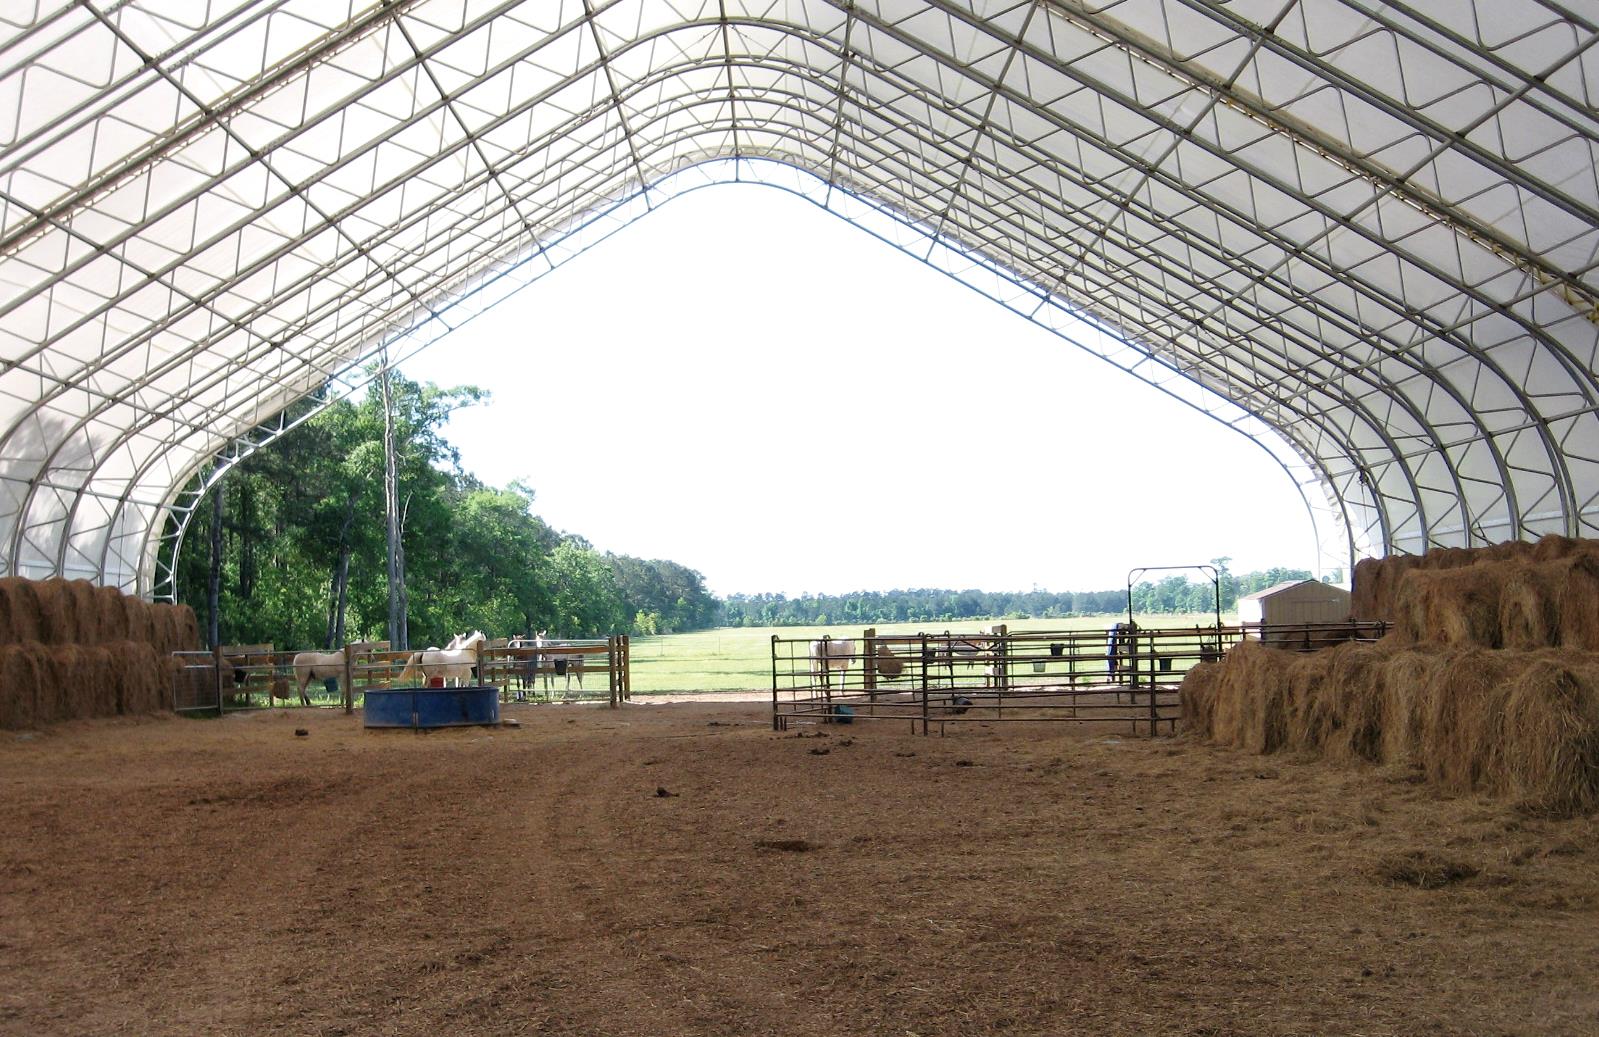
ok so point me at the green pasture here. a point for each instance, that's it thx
(740, 658)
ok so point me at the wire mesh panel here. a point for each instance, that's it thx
(195, 685)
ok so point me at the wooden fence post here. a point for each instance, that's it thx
(613, 661)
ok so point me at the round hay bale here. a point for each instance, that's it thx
(62, 663)
(188, 630)
(1463, 718)
(20, 606)
(1196, 698)
(1363, 589)
(139, 624)
(1252, 699)
(1357, 680)
(79, 597)
(1405, 676)
(1379, 586)
(79, 676)
(111, 618)
(1310, 707)
(1551, 735)
(57, 625)
(1529, 605)
(49, 698)
(141, 677)
(19, 682)
(1505, 551)
(100, 673)
(1457, 605)
(1579, 602)
(160, 628)
(1440, 558)
(177, 628)
(1227, 708)
(1553, 547)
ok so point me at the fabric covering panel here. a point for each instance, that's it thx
(1371, 228)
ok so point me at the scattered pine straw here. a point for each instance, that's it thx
(1424, 870)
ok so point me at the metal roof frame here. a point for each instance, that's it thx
(1366, 236)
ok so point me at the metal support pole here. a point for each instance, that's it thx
(774, 683)
(869, 662)
(349, 680)
(924, 685)
(216, 660)
(1153, 687)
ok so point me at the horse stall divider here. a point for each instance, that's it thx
(349, 679)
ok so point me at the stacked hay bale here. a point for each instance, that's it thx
(1488, 681)
(69, 649)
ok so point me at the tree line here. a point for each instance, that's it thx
(1171, 594)
(294, 542)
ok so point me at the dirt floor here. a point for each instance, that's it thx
(683, 869)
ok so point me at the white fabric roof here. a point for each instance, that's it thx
(1368, 229)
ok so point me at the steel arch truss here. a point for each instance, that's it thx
(1364, 234)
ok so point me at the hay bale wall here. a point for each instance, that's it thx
(1489, 679)
(1518, 724)
(1517, 595)
(70, 648)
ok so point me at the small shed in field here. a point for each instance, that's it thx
(1296, 602)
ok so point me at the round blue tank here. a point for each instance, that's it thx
(432, 707)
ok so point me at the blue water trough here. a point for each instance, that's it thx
(422, 708)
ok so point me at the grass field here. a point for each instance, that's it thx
(740, 658)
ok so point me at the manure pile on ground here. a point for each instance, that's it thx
(69, 648)
(1489, 679)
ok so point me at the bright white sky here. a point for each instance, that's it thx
(796, 407)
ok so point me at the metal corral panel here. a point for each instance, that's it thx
(432, 707)
(1302, 601)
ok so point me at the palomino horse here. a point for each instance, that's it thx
(452, 662)
(309, 666)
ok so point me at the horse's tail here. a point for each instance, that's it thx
(412, 666)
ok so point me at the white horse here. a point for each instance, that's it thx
(452, 662)
(321, 666)
(828, 655)
(309, 666)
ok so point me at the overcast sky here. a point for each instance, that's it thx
(751, 387)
